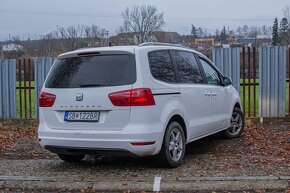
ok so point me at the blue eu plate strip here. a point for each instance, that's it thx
(66, 116)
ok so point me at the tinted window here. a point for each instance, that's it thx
(161, 66)
(104, 70)
(187, 67)
(212, 76)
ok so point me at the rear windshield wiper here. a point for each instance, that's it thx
(94, 85)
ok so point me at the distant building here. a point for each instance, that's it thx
(12, 48)
(260, 40)
(264, 37)
(203, 43)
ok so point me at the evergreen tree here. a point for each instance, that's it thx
(194, 31)
(275, 33)
(224, 35)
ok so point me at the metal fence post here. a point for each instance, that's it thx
(272, 78)
(8, 89)
(228, 61)
(41, 69)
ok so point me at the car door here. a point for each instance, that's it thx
(195, 95)
(220, 95)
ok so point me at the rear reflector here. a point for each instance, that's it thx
(143, 143)
(134, 97)
(46, 99)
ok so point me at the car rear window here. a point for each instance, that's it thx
(90, 71)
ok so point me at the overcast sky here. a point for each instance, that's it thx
(38, 17)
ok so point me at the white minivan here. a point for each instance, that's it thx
(144, 100)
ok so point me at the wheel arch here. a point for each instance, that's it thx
(179, 119)
(238, 105)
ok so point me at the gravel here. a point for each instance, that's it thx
(212, 156)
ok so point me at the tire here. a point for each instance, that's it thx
(173, 146)
(237, 125)
(71, 158)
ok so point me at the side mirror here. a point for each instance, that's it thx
(227, 81)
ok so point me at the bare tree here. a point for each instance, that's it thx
(286, 13)
(123, 37)
(286, 18)
(99, 36)
(46, 47)
(264, 30)
(200, 33)
(71, 37)
(142, 21)
(284, 32)
(254, 31)
(239, 31)
(245, 29)
(95, 36)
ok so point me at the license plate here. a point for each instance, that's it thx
(81, 116)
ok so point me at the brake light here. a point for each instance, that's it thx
(46, 99)
(134, 97)
(89, 54)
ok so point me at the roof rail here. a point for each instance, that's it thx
(161, 44)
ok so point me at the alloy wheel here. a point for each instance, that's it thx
(175, 144)
(236, 124)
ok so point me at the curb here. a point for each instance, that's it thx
(228, 183)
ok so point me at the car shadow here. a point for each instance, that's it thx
(204, 145)
(195, 149)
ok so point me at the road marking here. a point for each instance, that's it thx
(156, 185)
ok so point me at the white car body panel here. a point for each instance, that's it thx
(118, 127)
(197, 108)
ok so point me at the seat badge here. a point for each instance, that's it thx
(79, 97)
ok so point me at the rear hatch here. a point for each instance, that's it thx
(81, 85)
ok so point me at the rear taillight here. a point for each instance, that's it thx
(46, 99)
(134, 97)
(142, 97)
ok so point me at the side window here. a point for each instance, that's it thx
(187, 67)
(212, 76)
(161, 66)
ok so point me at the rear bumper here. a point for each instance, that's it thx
(90, 141)
(87, 151)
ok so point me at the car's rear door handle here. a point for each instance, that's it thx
(214, 94)
(207, 94)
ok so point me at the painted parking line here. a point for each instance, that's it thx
(156, 185)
